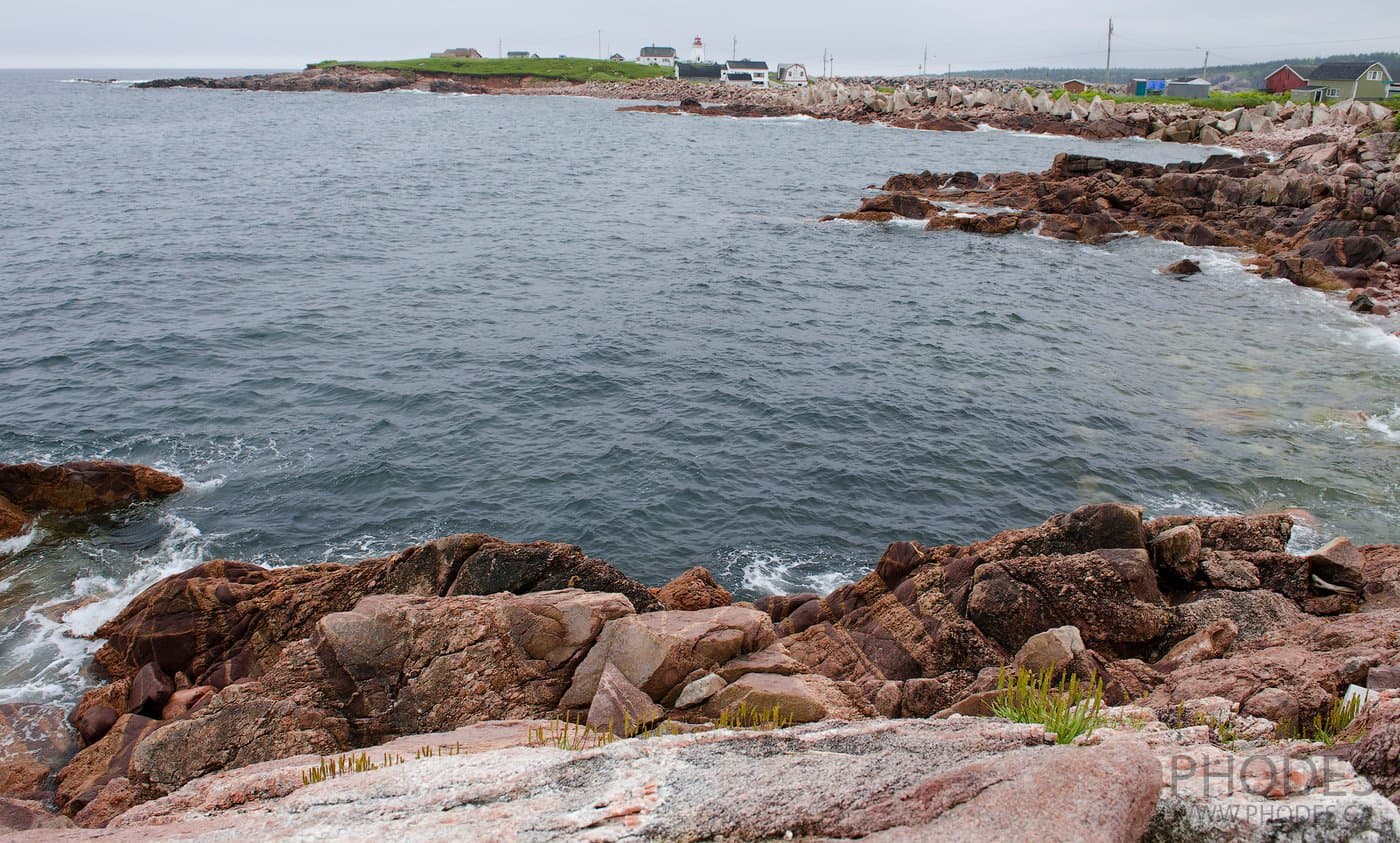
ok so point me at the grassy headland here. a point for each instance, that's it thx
(569, 70)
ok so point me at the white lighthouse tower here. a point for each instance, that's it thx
(697, 51)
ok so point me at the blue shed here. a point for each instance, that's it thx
(1149, 87)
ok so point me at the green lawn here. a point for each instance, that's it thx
(572, 70)
(1218, 101)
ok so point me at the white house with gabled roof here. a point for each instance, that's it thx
(745, 72)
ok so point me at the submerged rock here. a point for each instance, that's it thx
(1183, 268)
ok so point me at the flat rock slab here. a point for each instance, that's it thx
(913, 779)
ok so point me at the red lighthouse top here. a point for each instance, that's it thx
(698, 42)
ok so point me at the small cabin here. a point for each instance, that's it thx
(792, 74)
(617, 57)
(1283, 80)
(1076, 86)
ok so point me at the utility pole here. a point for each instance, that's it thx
(499, 53)
(1108, 61)
(923, 68)
(1205, 64)
(734, 56)
(600, 45)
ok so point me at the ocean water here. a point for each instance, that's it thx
(354, 322)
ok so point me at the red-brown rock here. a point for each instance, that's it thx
(80, 487)
(693, 590)
(222, 621)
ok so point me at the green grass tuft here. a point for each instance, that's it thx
(1067, 707)
(571, 735)
(344, 765)
(1328, 726)
(745, 717)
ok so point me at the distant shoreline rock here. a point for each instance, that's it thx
(933, 106)
(1324, 215)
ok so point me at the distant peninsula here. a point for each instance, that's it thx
(438, 75)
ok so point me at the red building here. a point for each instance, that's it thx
(1283, 80)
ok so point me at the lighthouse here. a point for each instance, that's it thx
(697, 51)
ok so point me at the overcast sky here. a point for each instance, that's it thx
(884, 37)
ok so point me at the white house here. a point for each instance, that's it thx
(663, 56)
(792, 74)
(745, 72)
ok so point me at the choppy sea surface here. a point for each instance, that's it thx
(354, 322)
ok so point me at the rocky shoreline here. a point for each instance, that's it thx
(1325, 215)
(939, 106)
(428, 681)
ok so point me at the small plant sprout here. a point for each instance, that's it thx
(570, 734)
(344, 765)
(1068, 707)
(1328, 726)
(745, 717)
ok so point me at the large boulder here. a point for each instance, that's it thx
(659, 650)
(896, 623)
(1376, 754)
(619, 707)
(222, 621)
(1051, 650)
(695, 589)
(804, 698)
(83, 778)
(1246, 534)
(1254, 613)
(1339, 565)
(1111, 596)
(1091, 527)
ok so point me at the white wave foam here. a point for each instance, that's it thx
(205, 485)
(1304, 539)
(764, 572)
(1387, 425)
(13, 546)
(55, 643)
(183, 548)
(1183, 504)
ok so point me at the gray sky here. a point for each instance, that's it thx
(886, 37)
